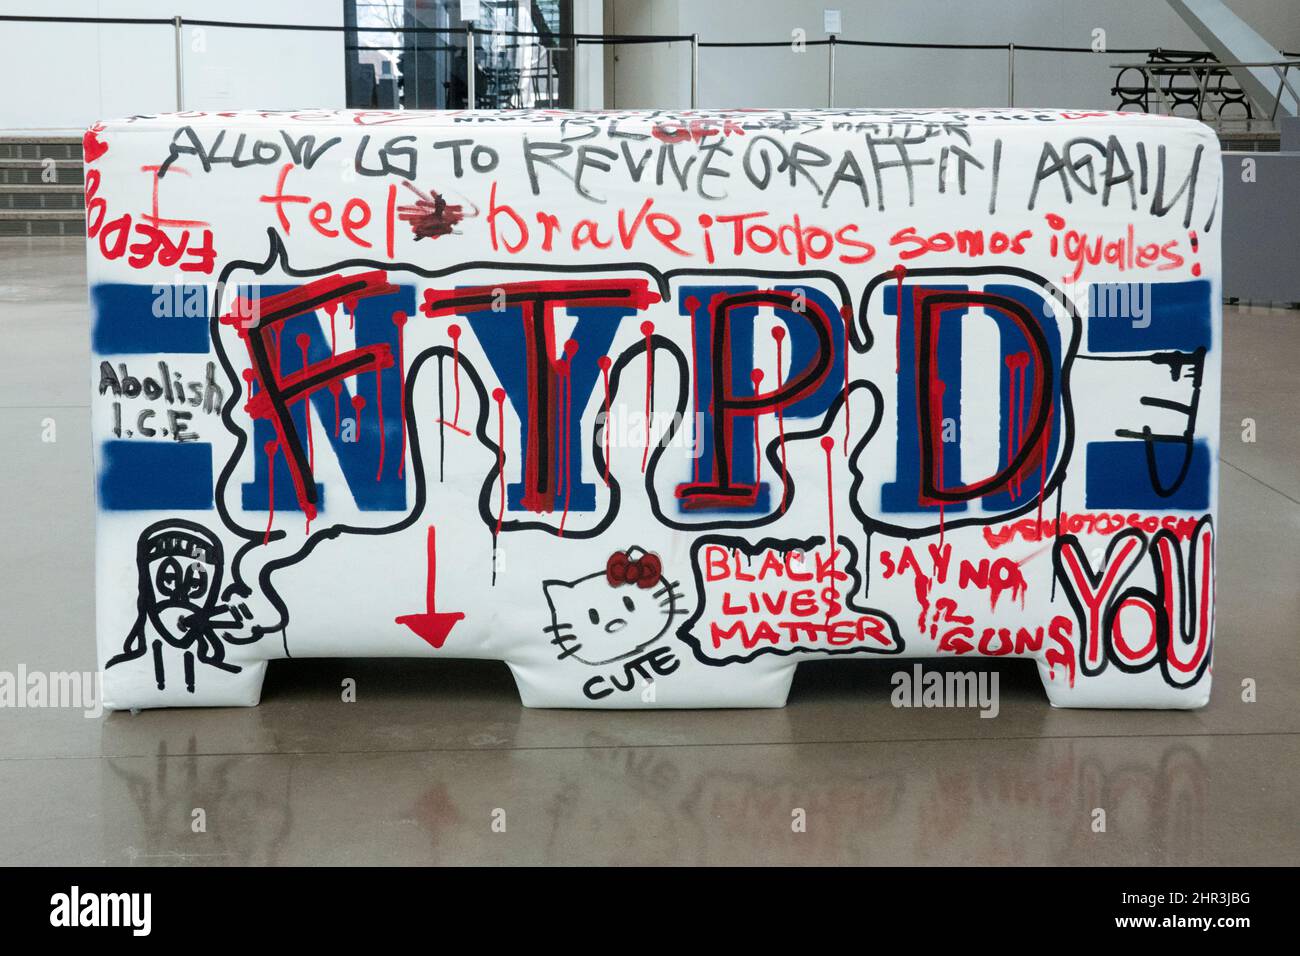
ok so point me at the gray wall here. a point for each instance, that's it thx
(1261, 218)
(659, 76)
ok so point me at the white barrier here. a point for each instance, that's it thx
(654, 406)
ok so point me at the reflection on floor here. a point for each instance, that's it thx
(437, 762)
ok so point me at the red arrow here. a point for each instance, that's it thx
(431, 625)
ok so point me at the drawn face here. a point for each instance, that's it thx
(180, 577)
(596, 622)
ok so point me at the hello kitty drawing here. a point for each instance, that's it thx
(613, 617)
(612, 614)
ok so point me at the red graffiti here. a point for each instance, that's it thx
(430, 624)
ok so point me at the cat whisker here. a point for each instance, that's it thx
(671, 597)
(557, 627)
(566, 651)
(667, 586)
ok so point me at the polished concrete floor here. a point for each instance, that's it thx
(418, 769)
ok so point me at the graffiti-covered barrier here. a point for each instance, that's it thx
(654, 406)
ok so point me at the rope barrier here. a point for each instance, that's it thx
(597, 39)
(556, 41)
(332, 28)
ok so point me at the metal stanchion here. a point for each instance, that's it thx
(830, 72)
(1282, 85)
(695, 70)
(1011, 74)
(471, 94)
(178, 27)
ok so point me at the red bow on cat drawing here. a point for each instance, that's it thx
(633, 566)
